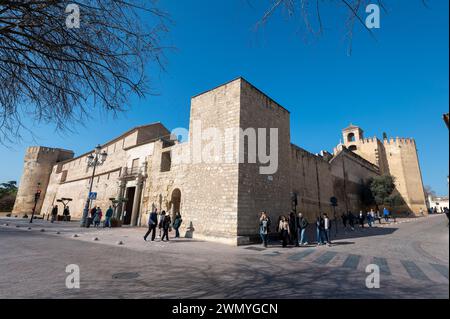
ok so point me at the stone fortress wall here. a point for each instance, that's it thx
(38, 165)
(219, 200)
(397, 157)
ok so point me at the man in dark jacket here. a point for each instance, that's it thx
(152, 221)
(292, 228)
(54, 213)
(320, 227)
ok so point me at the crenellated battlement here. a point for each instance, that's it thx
(370, 140)
(399, 141)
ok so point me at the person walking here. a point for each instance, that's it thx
(98, 217)
(162, 216)
(284, 230)
(361, 218)
(369, 217)
(66, 213)
(377, 216)
(319, 230)
(302, 225)
(344, 221)
(92, 213)
(152, 222)
(176, 224)
(351, 220)
(166, 227)
(108, 216)
(326, 229)
(386, 214)
(54, 213)
(264, 228)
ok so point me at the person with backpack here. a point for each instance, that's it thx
(302, 225)
(152, 222)
(264, 228)
(176, 224)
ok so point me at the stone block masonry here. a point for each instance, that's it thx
(220, 198)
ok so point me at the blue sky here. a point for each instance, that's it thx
(397, 83)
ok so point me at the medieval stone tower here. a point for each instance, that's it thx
(39, 162)
(397, 157)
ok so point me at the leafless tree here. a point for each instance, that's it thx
(310, 12)
(53, 72)
(429, 191)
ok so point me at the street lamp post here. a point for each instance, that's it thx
(36, 199)
(92, 161)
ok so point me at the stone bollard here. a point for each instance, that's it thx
(120, 243)
(29, 228)
(42, 230)
(75, 236)
(57, 233)
(95, 239)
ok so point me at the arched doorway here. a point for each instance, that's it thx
(175, 202)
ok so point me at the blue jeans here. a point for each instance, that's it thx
(319, 236)
(107, 222)
(177, 232)
(326, 234)
(263, 238)
(302, 239)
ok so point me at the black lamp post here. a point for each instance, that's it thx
(37, 195)
(93, 160)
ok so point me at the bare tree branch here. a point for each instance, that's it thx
(55, 74)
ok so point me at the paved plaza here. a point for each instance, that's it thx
(117, 263)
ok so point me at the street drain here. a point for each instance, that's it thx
(126, 275)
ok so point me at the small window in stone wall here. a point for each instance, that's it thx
(166, 162)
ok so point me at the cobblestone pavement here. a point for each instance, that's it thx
(412, 255)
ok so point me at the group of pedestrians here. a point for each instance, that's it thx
(292, 228)
(163, 222)
(96, 215)
(349, 219)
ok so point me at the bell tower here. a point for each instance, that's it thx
(353, 135)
